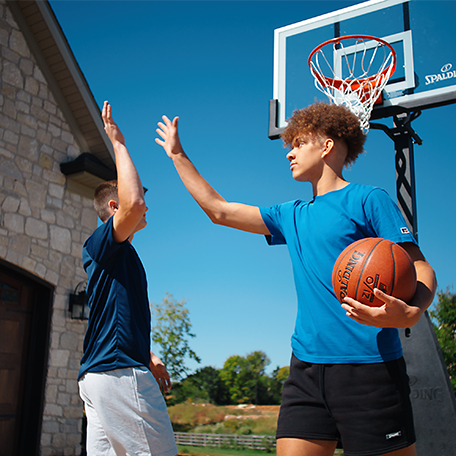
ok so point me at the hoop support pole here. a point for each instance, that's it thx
(404, 138)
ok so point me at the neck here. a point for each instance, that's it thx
(328, 184)
(330, 178)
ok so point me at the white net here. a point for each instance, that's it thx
(356, 73)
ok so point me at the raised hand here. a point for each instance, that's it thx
(170, 142)
(111, 128)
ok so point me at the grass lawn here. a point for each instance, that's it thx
(201, 418)
(208, 451)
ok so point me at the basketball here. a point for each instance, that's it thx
(374, 263)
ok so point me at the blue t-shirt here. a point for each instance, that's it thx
(316, 232)
(118, 331)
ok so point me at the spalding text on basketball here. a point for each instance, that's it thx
(344, 276)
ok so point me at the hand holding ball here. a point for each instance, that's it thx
(374, 263)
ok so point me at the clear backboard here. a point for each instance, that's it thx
(419, 31)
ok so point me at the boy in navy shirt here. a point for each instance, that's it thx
(125, 409)
(348, 384)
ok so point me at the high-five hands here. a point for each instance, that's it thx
(170, 142)
(111, 128)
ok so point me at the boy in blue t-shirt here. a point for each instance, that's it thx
(119, 376)
(348, 382)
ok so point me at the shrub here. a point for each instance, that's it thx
(191, 415)
(268, 445)
(210, 419)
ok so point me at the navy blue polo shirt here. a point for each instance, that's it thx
(118, 332)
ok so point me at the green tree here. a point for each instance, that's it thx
(281, 374)
(205, 385)
(241, 380)
(186, 390)
(208, 380)
(444, 318)
(257, 362)
(244, 377)
(171, 331)
(278, 377)
(233, 376)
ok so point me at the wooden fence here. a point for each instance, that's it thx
(257, 442)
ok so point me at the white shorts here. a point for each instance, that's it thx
(126, 414)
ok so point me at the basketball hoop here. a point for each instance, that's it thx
(361, 68)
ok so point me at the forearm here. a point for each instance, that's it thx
(212, 203)
(426, 286)
(130, 189)
(235, 215)
(425, 276)
(425, 290)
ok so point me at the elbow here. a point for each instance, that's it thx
(139, 203)
(426, 284)
(427, 274)
(219, 214)
(138, 206)
(216, 219)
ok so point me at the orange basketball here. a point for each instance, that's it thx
(374, 263)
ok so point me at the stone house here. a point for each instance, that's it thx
(53, 153)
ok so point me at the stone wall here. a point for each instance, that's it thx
(42, 224)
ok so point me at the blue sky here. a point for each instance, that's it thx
(211, 63)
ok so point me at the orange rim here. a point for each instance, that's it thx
(336, 83)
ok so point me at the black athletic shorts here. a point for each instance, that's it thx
(364, 407)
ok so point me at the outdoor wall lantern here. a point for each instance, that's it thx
(79, 303)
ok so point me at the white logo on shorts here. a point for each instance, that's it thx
(392, 435)
(405, 230)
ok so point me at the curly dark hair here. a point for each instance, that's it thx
(104, 193)
(323, 119)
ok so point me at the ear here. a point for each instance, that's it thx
(327, 147)
(113, 206)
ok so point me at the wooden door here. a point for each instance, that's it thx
(16, 307)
